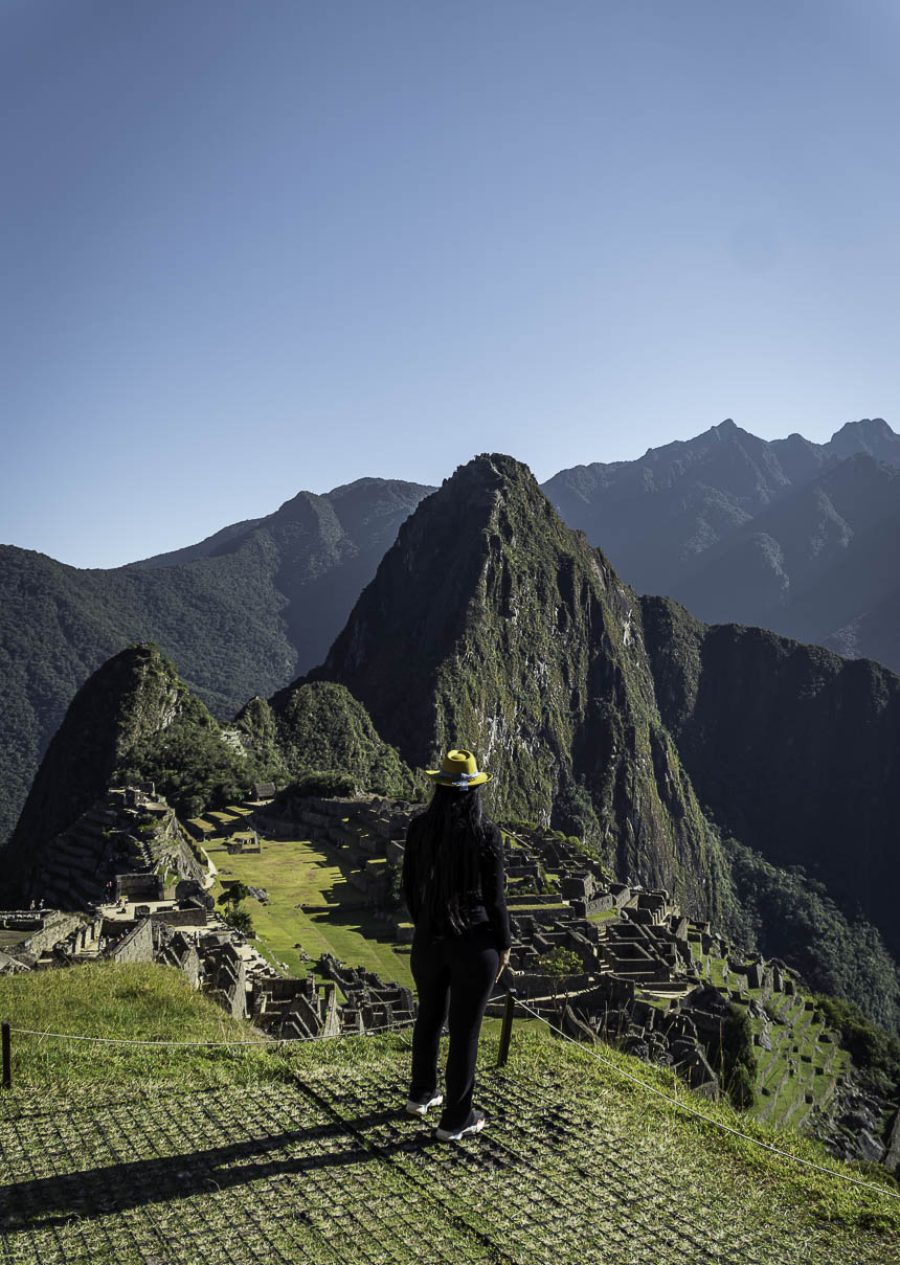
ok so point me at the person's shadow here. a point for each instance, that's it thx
(47, 1202)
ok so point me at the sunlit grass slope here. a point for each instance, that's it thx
(302, 1154)
(297, 874)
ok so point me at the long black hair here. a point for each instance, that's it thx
(447, 867)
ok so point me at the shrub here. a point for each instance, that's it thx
(561, 961)
(330, 782)
(240, 920)
(234, 894)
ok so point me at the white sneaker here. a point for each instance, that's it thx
(455, 1135)
(414, 1108)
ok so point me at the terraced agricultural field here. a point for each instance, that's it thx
(312, 904)
(800, 1070)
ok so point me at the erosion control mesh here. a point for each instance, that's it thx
(325, 1169)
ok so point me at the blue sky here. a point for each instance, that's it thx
(251, 247)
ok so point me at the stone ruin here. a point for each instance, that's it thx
(129, 831)
(637, 985)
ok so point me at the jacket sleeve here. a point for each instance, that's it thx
(493, 886)
(407, 881)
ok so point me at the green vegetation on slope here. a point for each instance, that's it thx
(794, 752)
(795, 919)
(305, 1155)
(137, 1001)
(240, 614)
(191, 762)
(875, 1053)
(320, 726)
(491, 625)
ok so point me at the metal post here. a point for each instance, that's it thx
(7, 1061)
(506, 1029)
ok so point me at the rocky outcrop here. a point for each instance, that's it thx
(134, 695)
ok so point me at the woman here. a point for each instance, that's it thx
(453, 884)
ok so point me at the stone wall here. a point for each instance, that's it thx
(137, 945)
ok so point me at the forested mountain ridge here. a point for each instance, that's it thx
(135, 721)
(245, 610)
(784, 534)
(669, 746)
(240, 613)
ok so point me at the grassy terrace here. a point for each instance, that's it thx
(202, 1157)
(785, 1097)
(311, 904)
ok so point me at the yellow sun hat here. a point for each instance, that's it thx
(459, 769)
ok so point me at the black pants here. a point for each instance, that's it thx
(454, 976)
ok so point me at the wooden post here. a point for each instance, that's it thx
(7, 1061)
(506, 1029)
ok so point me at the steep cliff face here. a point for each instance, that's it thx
(491, 625)
(795, 751)
(132, 697)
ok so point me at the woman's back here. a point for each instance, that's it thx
(453, 875)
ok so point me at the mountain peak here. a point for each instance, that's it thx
(135, 694)
(492, 625)
(869, 434)
(869, 427)
(491, 468)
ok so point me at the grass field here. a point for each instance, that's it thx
(114, 1156)
(297, 875)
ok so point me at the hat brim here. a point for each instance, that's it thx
(445, 779)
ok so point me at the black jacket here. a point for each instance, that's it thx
(487, 906)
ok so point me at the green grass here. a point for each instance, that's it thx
(203, 825)
(785, 1104)
(301, 874)
(135, 1000)
(116, 1158)
(604, 915)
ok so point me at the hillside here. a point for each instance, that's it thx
(490, 619)
(240, 613)
(783, 534)
(135, 722)
(133, 712)
(209, 1155)
(792, 749)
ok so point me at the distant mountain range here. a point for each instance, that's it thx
(786, 534)
(754, 777)
(241, 613)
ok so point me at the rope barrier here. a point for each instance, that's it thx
(158, 1044)
(718, 1124)
(591, 1053)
